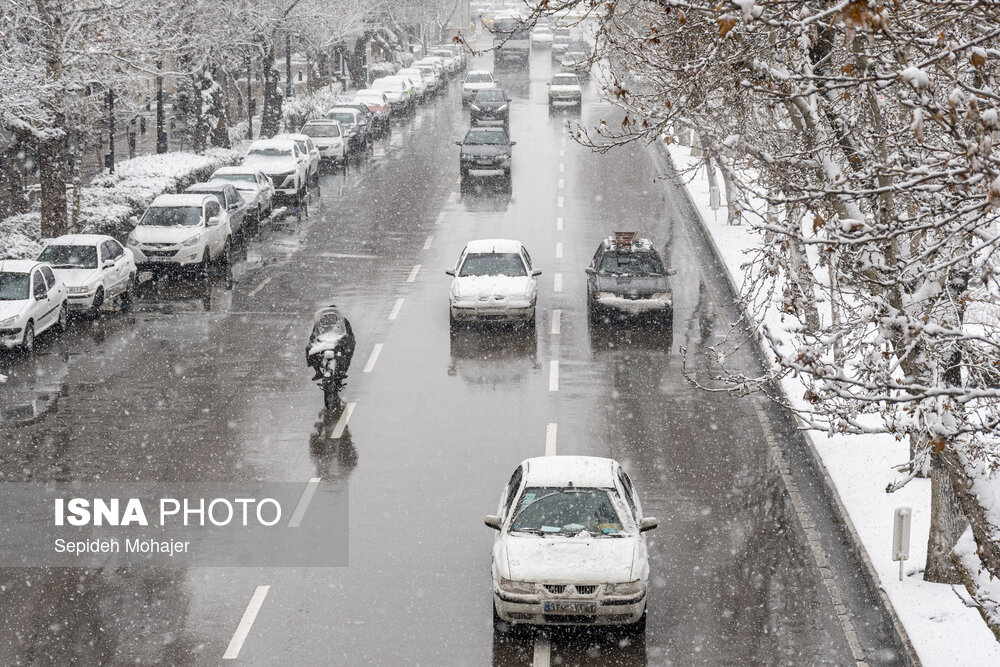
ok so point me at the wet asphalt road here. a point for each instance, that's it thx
(208, 383)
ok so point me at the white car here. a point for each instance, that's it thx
(309, 150)
(32, 300)
(493, 282)
(284, 164)
(452, 62)
(396, 90)
(541, 36)
(431, 76)
(421, 85)
(182, 232)
(253, 185)
(329, 137)
(565, 91)
(377, 103)
(475, 81)
(569, 547)
(93, 268)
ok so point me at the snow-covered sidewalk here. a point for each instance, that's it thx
(941, 627)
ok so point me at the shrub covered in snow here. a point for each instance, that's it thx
(297, 110)
(111, 200)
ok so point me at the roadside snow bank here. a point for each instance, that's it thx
(943, 628)
(110, 201)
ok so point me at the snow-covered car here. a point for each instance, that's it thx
(309, 150)
(355, 132)
(255, 188)
(485, 151)
(561, 38)
(493, 281)
(435, 80)
(329, 136)
(541, 36)
(439, 65)
(397, 90)
(627, 277)
(576, 61)
(181, 232)
(232, 203)
(421, 88)
(475, 81)
(565, 91)
(569, 547)
(458, 52)
(378, 104)
(32, 301)
(93, 269)
(452, 62)
(284, 164)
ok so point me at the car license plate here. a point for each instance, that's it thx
(160, 259)
(571, 607)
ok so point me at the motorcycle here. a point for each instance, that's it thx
(330, 383)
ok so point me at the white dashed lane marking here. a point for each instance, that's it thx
(559, 224)
(243, 629)
(556, 321)
(377, 350)
(559, 250)
(554, 375)
(557, 283)
(413, 273)
(440, 218)
(345, 417)
(427, 243)
(559, 202)
(551, 432)
(561, 184)
(260, 286)
(395, 308)
(304, 500)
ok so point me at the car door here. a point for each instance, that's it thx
(41, 309)
(595, 264)
(122, 269)
(235, 207)
(216, 236)
(109, 274)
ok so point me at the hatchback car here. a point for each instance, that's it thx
(378, 104)
(486, 151)
(328, 135)
(355, 131)
(93, 268)
(627, 277)
(32, 300)
(569, 548)
(493, 281)
(490, 107)
(565, 91)
(254, 186)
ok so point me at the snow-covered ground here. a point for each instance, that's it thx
(941, 627)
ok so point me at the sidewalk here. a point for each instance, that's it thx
(943, 629)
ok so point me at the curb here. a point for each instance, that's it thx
(903, 643)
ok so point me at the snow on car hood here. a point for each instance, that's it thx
(570, 560)
(270, 165)
(11, 308)
(570, 88)
(151, 234)
(487, 286)
(77, 276)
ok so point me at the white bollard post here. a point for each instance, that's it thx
(901, 537)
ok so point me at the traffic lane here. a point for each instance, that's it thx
(135, 356)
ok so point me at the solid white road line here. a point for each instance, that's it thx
(550, 439)
(554, 375)
(559, 202)
(259, 287)
(413, 273)
(243, 629)
(377, 350)
(559, 224)
(440, 218)
(557, 283)
(542, 656)
(427, 243)
(345, 416)
(395, 308)
(304, 500)
(556, 321)
(559, 250)
(562, 184)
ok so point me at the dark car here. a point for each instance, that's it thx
(577, 61)
(230, 199)
(490, 107)
(366, 114)
(486, 151)
(627, 278)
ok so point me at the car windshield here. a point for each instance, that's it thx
(567, 511)
(479, 78)
(270, 152)
(631, 264)
(13, 286)
(490, 96)
(235, 178)
(320, 130)
(568, 80)
(343, 116)
(493, 264)
(172, 216)
(490, 137)
(70, 256)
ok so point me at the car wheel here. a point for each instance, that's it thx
(225, 257)
(95, 308)
(125, 300)
(63, 322)
(639, 627)
(530, 323)
(667, 319)
(28, 342)
(204, 269)
(451, 320)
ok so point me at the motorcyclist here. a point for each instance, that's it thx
(331, 331)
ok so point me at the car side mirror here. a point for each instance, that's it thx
(214, 221)
(450, 272)
(492, 521)
(590, 271)
(108, 263)
(648, 523)
(458, 143)
(536, 272)
(671, 272)
(513, 143)
(41, 297)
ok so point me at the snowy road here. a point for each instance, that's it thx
(209, 384)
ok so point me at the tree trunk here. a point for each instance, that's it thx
(270, 117)
(947, 525)
(52, 179)
(15, 200)
(982, 529)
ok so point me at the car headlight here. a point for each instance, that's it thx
(505, 156)
(474, 107)
(503, 108)
(630, 588)
(603, 295)
(466, 157)
(192, 241)
(131, 240)
(9, 321)
(661, 296)
(522, 587)
(77, 289)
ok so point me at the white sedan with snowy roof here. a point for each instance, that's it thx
(569, 547)
(493, 281)
(93, 268)
(31, 301)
